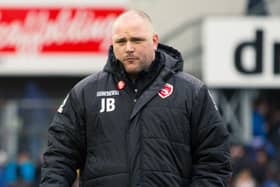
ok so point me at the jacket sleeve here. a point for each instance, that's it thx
(65, 150)
(210, 143)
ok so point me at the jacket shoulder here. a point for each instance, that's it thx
(90, 81)
(190, 81)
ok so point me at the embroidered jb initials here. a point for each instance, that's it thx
(107, 105)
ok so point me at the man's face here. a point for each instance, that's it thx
(134, 43)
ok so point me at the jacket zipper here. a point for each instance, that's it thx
(128, 146)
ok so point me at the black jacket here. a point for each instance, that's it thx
(163, 131)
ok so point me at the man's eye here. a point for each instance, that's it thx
(120, 41)
(137, 40)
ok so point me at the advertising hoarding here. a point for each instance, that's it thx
(241, 52)
(55, 40)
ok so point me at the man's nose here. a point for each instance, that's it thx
(129, 47)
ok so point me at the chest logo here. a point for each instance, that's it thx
(107, 105)
(166, 91)
(121, 85)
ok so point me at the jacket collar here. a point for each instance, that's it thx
(168, 56)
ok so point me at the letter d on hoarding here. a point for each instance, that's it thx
(257, 45)
(277, 58)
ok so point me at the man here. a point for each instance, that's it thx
(139, 122)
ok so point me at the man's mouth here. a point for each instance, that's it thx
(131, 58)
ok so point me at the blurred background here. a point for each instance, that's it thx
(233, 46)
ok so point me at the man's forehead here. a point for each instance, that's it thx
(131, 29)
(130, 35)
(129, 23)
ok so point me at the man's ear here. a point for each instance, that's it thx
(155, 41)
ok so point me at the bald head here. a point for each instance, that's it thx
(138, 13)
(132, 16)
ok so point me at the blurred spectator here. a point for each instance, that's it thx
(260, 112)
(20, 173)
(260, 143)
(34, 119)
(274, 137)
(257, 7)
(20, 182)
(260, 165)
(240, 159)
(11, 172)
(274, 128)
(255, 165)
(271, 176)
(245, 179)
(27, 168)
(3, 160)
